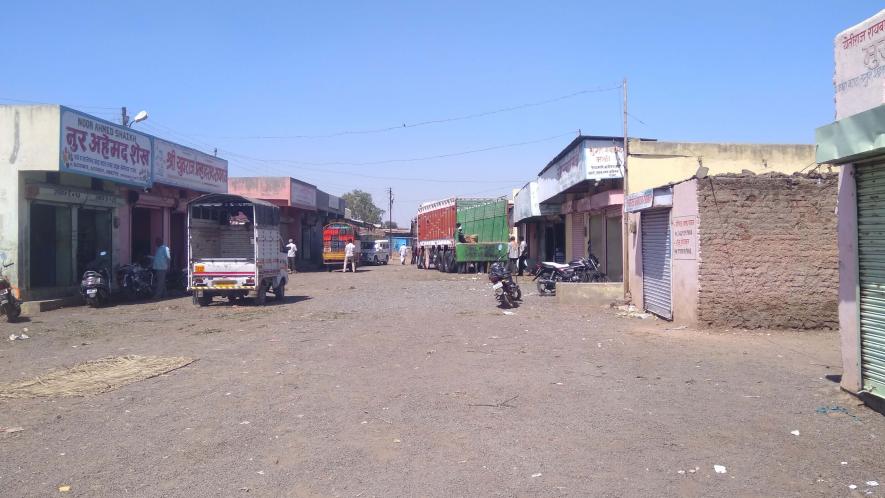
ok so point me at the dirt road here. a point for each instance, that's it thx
(400, 382)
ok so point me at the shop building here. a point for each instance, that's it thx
(72, 187)
(574, 207)
(739, 236)
(304, 210)
(180, 174)
(856, 142)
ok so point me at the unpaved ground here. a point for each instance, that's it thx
(341, 391)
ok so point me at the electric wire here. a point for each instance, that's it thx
(424, 122)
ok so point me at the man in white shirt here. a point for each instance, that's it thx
(293, 252)
(402, 254)
(523, 255)
(513, 253)
(349, 257)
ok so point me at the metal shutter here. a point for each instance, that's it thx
(578, 245)
(656, 262)
(871, 260)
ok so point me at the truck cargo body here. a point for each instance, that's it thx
(234, 249)
(336, 236)
(486, 219)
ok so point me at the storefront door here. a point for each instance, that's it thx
(93, 235)
(50, 246)
(656, 290)
(871, 268)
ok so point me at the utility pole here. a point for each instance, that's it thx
(124, 118)
(625, 238)
(389, 217)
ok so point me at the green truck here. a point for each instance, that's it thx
(485, 225)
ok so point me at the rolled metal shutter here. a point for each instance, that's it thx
(656, 262)
(578, 245)
(871, 267)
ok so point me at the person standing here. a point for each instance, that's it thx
(402, 254)
(160, 267)
(291, 255)
(349, 256)
(513, 253)
(523, 255)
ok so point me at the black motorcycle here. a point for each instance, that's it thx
(547, 273)
(507, 291)
(9, 304)
(95, 286)
(136, 281)
(592, 271)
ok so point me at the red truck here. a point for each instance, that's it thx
(486, 219)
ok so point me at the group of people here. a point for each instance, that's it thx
(517, 253)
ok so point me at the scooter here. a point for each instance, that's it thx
(95, 285)
(507, 291)
(9, 304)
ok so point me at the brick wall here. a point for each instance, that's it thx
(768, 256)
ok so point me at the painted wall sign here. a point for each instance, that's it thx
(185, 167)
(684, 233)
(859, 79)
(98, 148)
(304, 195)
(603, 162)
(637, 201)
(69, 195)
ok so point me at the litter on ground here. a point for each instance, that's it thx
(720, 469)
(795, 433)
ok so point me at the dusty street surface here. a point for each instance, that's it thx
(401, 382)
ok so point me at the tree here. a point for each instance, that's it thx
(362, 207)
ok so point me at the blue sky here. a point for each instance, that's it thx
(218, 74)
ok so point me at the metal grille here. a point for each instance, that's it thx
(871, 258)
(656, 262)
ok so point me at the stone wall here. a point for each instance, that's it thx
(768, 253)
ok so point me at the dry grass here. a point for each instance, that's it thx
(92, 377)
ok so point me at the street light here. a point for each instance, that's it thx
(141, 116)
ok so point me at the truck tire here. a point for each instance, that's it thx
(279, 292)
(386, 259)
(261, 294)
(451, 263)
(202, 301)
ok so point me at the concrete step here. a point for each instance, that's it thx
(34, 307)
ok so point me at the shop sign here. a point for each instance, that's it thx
(603, 162)
(304, 195)
(181, 166)
(69, 195)
(98, 148)
(663, 197)
(637, 201)
(859, 79)
(684, 230)
(565, 173)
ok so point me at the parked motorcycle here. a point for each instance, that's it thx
(589, 270)
(592, 270)
(95, 286)
(547, 273)
(507, 291)
(9, 304)
(136, 281)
